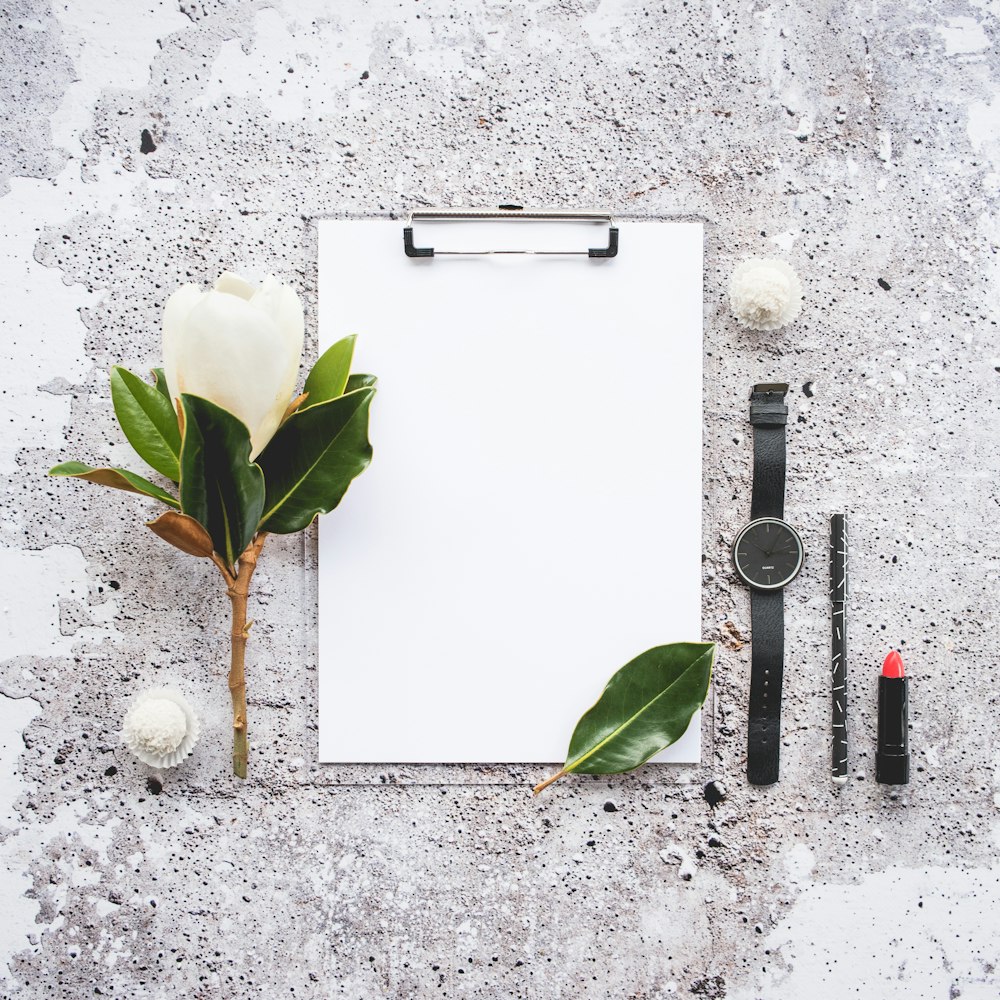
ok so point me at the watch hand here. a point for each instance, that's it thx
(770, 551)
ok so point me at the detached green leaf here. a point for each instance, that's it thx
(311, 460)
(329, 375)
(120, 479)
(220, 487)
(645, 707)
(148, 420)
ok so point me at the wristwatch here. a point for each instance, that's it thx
(768, 555)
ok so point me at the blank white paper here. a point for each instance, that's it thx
(531, 519)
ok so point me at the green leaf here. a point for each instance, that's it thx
(120, 479)
(329, 375)
(359, 382)
(645, 707)
(160, 382)
(220, 487)
(311, 460)
(148, 420)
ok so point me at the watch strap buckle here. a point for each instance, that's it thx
(767, 404)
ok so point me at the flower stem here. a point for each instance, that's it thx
(238, 588)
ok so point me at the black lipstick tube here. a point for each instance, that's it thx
(892, 758)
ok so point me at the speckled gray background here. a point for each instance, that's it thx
(147, 144)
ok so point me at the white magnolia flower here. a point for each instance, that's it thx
(765, 293)
(238, 346)
(161, 728)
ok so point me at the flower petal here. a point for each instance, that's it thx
(232, 284)
(233, 354)
(282, 305)
(175, 312)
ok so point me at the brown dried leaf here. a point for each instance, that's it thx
(294, 405)
(183, 532)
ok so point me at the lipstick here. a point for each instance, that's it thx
(892, 758)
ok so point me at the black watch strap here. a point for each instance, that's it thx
(767, 655)
(768, 416)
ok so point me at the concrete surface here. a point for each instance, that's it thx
(860, 141)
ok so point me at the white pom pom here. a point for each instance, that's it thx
(765, 293)
(161, 728)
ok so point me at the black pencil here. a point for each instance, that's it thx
(838, 601)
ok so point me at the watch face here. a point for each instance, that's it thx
(768, 553)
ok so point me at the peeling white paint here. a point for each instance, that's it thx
(309, 60)
(17, 715)
(32, 583)
(607, 24)
(785, 241)
(120, 57)
(899, 934)
(983, 126)
(963, 35)
(27, 844)
(41, 333)
(799, 863)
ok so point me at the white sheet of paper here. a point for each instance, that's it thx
(531, 519)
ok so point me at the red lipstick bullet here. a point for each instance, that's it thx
(892, 757)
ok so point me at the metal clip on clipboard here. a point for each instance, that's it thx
(507, 212)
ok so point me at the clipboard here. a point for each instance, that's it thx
(531, 519)
(509, 213)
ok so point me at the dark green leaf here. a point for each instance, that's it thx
(329, 375)
(148, 420)
(120, 479)
(312, 459)
(359, 382)
(645, 707)
(220, 487)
